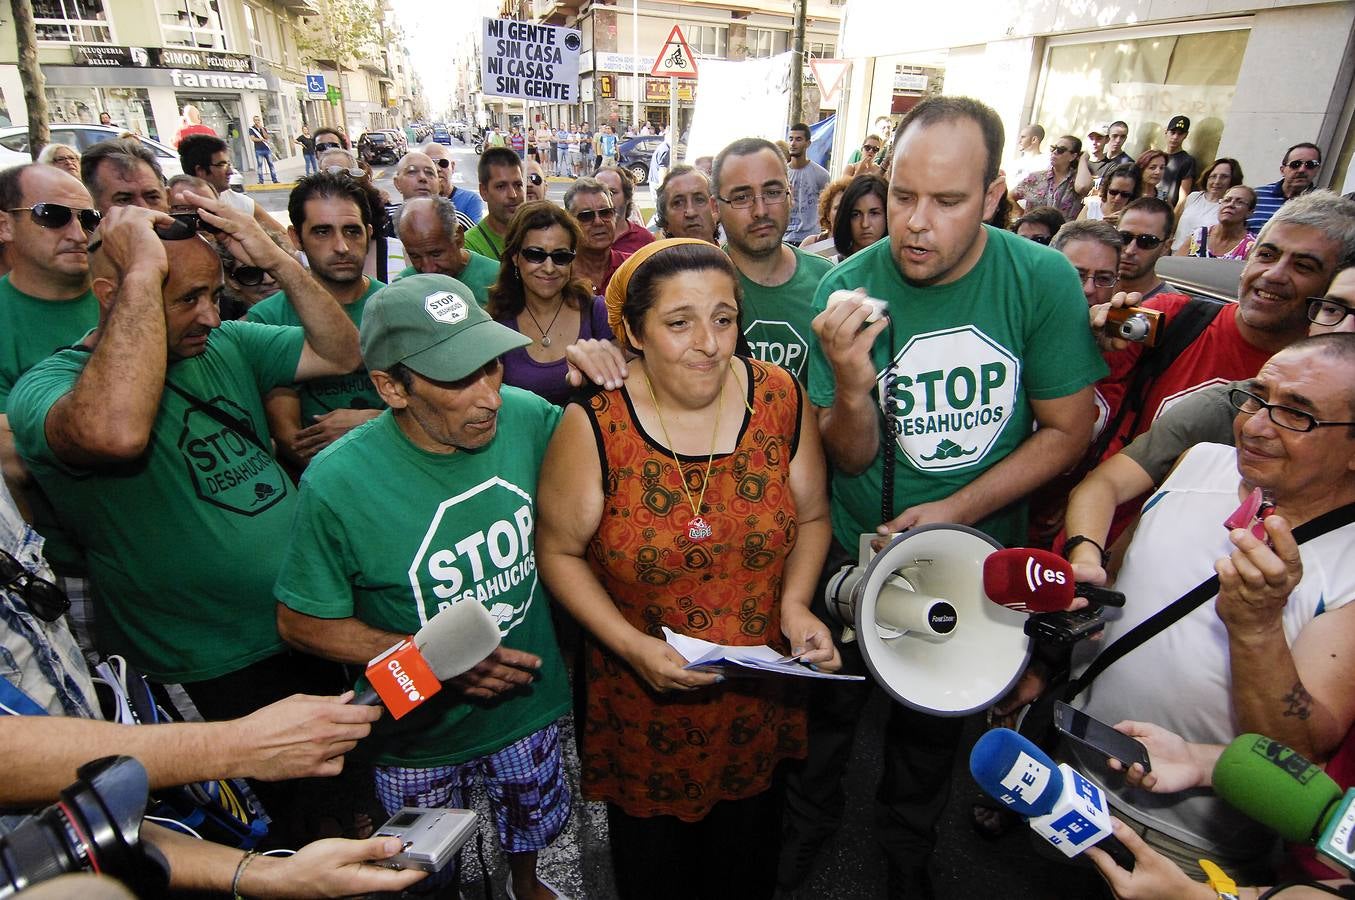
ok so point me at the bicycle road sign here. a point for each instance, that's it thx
(674, 59)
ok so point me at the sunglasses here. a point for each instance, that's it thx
(535, 179)
(1038, 238)
(321, 148)
(1144, 241)
(1059, 151)
(536, 256)
(1295, 164)
(443, 163)
(1125, 194)
(46, 601)
(870, 149)
(249, 276)
(54, 215)
(342, 170)
(587, 215)
(184, 226)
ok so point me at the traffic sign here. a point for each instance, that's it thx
(828, 75)
(315, 86)
(675, 58)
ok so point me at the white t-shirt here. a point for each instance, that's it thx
(1199, 210)
(235, 200)
(1181, 678)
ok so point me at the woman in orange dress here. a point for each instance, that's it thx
(692, 498)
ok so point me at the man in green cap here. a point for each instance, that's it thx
(372, 559)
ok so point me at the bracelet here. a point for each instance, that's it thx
(240, 870)
(1077, 539)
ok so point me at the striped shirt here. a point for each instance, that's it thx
(1269, 199)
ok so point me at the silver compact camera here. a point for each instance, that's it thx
(429, 838)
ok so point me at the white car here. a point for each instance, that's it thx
(14, 144)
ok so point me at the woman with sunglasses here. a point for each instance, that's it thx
(691, 498)
(1118, 188)
(1228, 238)
(1063, 185)
(1153, 165)
(1201, 208)
(538, 295)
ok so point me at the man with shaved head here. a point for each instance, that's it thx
(431, 232)
(468, 203)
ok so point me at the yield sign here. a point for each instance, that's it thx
(828, 74)
(675, 58)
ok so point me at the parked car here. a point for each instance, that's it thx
(378, 146)
(634, 156)
(14, 144)
(441, 135)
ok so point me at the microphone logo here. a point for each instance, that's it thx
(405, 682)
(1038, 575)
(1027, 779)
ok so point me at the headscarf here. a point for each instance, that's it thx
(620, 283)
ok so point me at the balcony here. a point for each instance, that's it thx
(300, 7)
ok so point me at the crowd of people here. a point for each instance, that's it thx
(261, 453)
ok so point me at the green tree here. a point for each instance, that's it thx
(343, 32)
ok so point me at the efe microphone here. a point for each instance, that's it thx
(412, 670)
(1037, 581)
(1057, 801)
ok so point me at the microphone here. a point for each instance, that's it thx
(1057, 801)
(1038, 581)
(413, 670)
(1272, 784)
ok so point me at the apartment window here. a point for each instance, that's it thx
(252, 28)
(706, 40)
(192, 23)
(820, 49)
(761, 43)
(72, 21)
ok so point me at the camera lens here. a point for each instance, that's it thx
(1135, 328)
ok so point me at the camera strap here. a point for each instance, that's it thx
(14, 702)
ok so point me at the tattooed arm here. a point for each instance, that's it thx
(1298, 695)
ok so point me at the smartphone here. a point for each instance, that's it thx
(1100, 737)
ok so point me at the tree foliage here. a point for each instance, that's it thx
(343, 32)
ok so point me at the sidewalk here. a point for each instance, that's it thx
(289, 170)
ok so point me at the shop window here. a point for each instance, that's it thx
(192, 23)
(72, 21)
(1145, 82)
(130, 108)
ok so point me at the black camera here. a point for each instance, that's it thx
(94, 827)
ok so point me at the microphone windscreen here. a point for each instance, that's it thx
(457, 638)
(1028, 580)
(1277, 787)
(1017, 773)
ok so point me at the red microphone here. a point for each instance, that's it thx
(1037, 581)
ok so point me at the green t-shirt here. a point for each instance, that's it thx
(967, 358)
(776, 319)
(32, 330)
(478, 275)
(484, 242)
(184, 544)
(321, 395)
(455, 527)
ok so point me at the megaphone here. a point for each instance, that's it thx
(927, 631)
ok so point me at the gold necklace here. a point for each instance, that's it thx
(698, 529)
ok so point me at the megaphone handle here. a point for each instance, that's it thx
(1098, 595)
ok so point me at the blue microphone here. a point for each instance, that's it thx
(1056, 800)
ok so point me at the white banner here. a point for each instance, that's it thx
(740, 99)
(530, 61)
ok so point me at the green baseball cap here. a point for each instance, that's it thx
(433, 325)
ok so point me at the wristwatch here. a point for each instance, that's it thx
(1077, 539)
(1217, 879)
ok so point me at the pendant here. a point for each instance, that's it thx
(545, 340)
(698, 529)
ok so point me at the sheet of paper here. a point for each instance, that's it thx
(739, 660)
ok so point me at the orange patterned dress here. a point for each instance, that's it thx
(680, 754)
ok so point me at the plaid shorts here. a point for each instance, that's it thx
(524, 781)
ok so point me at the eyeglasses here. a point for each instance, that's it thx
(771, 196)
(1123, 194)
(1323, 311)
(1100, 279)
(343, 170)
(1037, 238)
(65, 159)
(1144, 241)
(1283, 416)
(54, 215)
(587, 215)
(535, 179)
(223, 164)
(321, 148)
(249, 276)
(184, 226)
(1059, 151)
(536, 256)
(1295, 164)
(46, 601)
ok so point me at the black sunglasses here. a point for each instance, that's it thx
(249, 276)
(321, 148)
(1295, 164)
(536, 256)
(535, 179)
(1039, 238)
(54, 215)
(443, 163)
(1144, 241)
(1124, 194)
(47, 601)
(587, 215)
(184, 226)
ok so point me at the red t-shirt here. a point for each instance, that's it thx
(192, 129)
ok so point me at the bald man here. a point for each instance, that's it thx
(431, 232)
